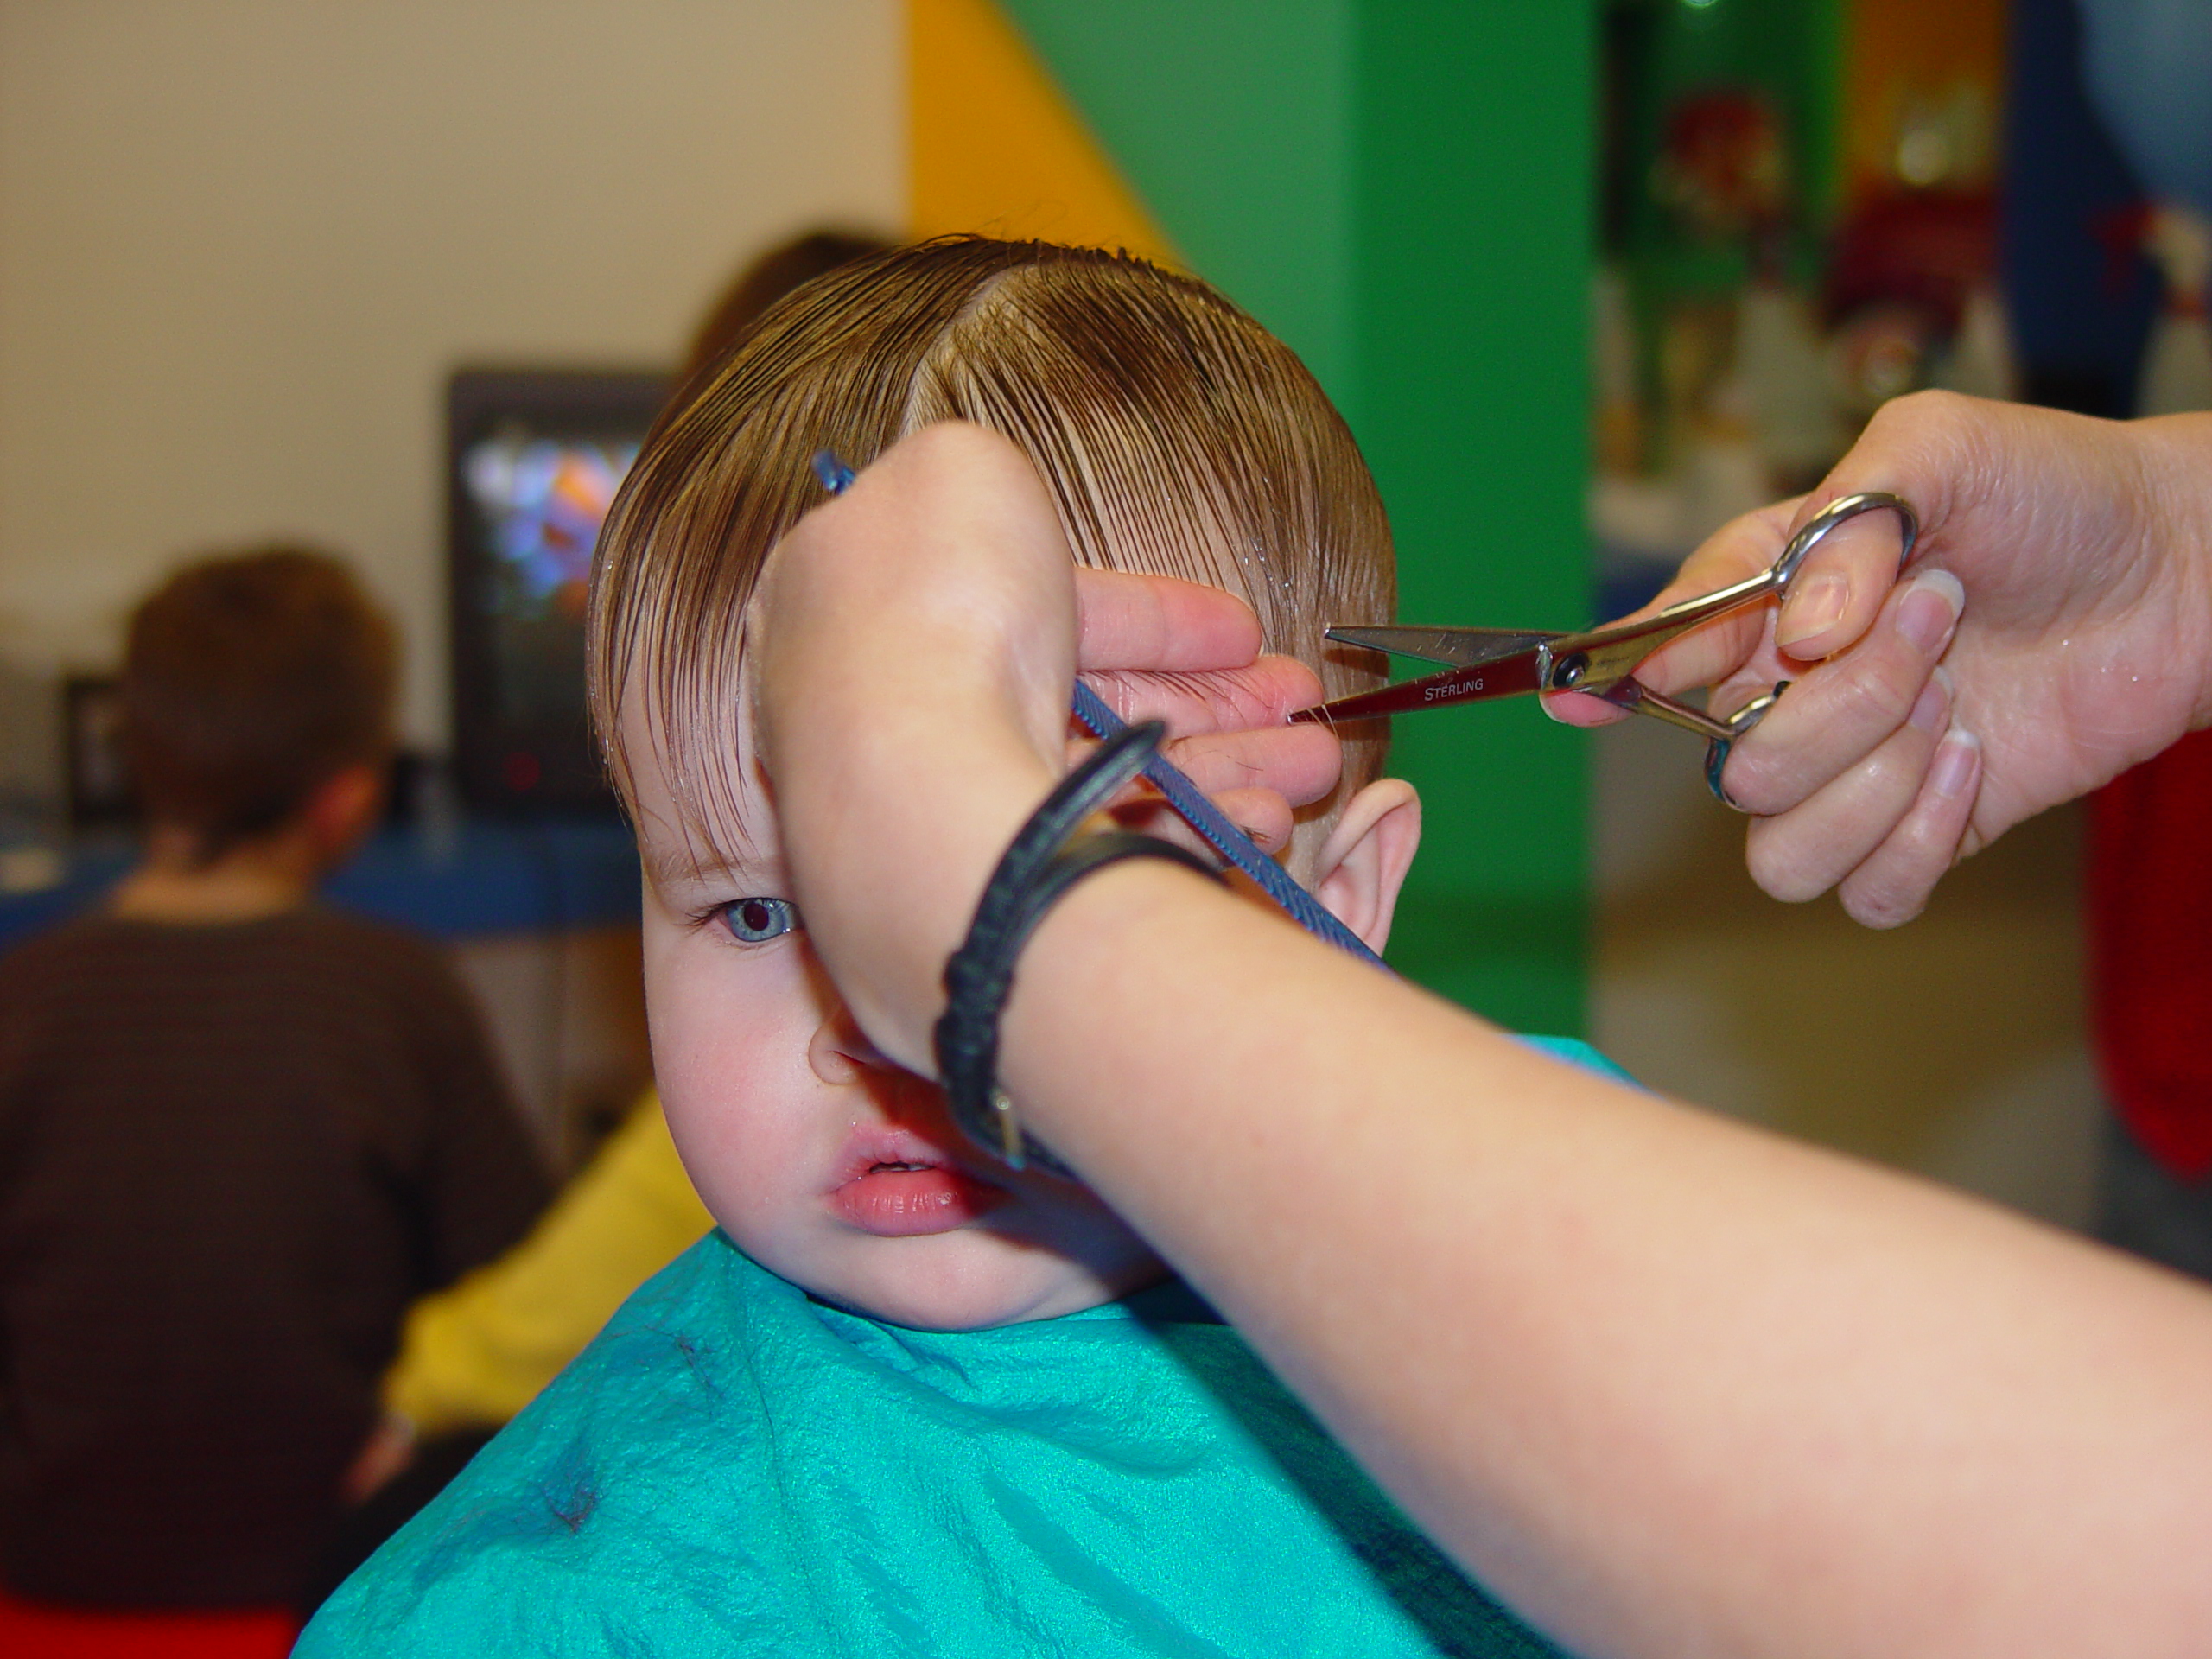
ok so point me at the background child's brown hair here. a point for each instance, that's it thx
(1175, 434)
(249, 680)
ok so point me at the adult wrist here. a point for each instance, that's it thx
(1057, 848)
(2176, 452)
(889, 875)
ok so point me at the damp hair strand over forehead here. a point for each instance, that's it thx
(1175, 434)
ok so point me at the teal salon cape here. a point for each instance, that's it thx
(733, 1468)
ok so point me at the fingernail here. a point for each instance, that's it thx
(1930, 610)
(1812, 609)
(1957, 759)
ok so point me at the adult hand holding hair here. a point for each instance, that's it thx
(2064, 581)
(1006, 636)
(1667, 1384)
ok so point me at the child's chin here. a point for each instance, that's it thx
(971, 1295)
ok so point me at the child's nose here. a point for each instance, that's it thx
(840, 1050)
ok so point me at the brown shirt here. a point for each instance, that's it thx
(230, 1156)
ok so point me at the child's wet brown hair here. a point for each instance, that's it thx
(1175, 434)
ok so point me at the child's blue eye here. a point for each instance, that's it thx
(756, 921)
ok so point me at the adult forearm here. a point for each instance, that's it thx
(1671, 1385)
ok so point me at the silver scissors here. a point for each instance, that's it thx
(1486, 663)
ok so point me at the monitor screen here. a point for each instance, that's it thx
(534, 459)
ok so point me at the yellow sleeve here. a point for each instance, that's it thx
(480, 1350)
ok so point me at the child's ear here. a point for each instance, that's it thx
(1364, 862)
(342, 810)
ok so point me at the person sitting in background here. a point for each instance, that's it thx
(239, 1133)
(763, 281)
(474, 1354)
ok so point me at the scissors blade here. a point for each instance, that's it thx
(1506, 677)
(1459, 648)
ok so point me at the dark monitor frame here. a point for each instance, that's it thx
(501, 764)
(95, 771)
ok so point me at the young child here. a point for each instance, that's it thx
(477, 1353)
(907, 1399)
(239, 1134)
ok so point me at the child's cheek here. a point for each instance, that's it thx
(730, 1029)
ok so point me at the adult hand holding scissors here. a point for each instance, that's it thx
(2063, 579)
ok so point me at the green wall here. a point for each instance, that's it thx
(1402, 190)
(1232, 119)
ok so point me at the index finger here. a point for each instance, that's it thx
(1708, 655)
(1259, 695)
(1922, 448)
(1840, 587)
(1125, 619)
(1833, 598)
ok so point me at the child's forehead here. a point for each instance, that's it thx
(700, 807)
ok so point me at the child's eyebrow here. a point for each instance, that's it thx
(688, 864)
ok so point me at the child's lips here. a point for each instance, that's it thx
(897, 1186)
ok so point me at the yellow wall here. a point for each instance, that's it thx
(993, 146)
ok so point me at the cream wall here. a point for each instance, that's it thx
(242, 242)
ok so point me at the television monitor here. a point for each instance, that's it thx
(533, 460)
